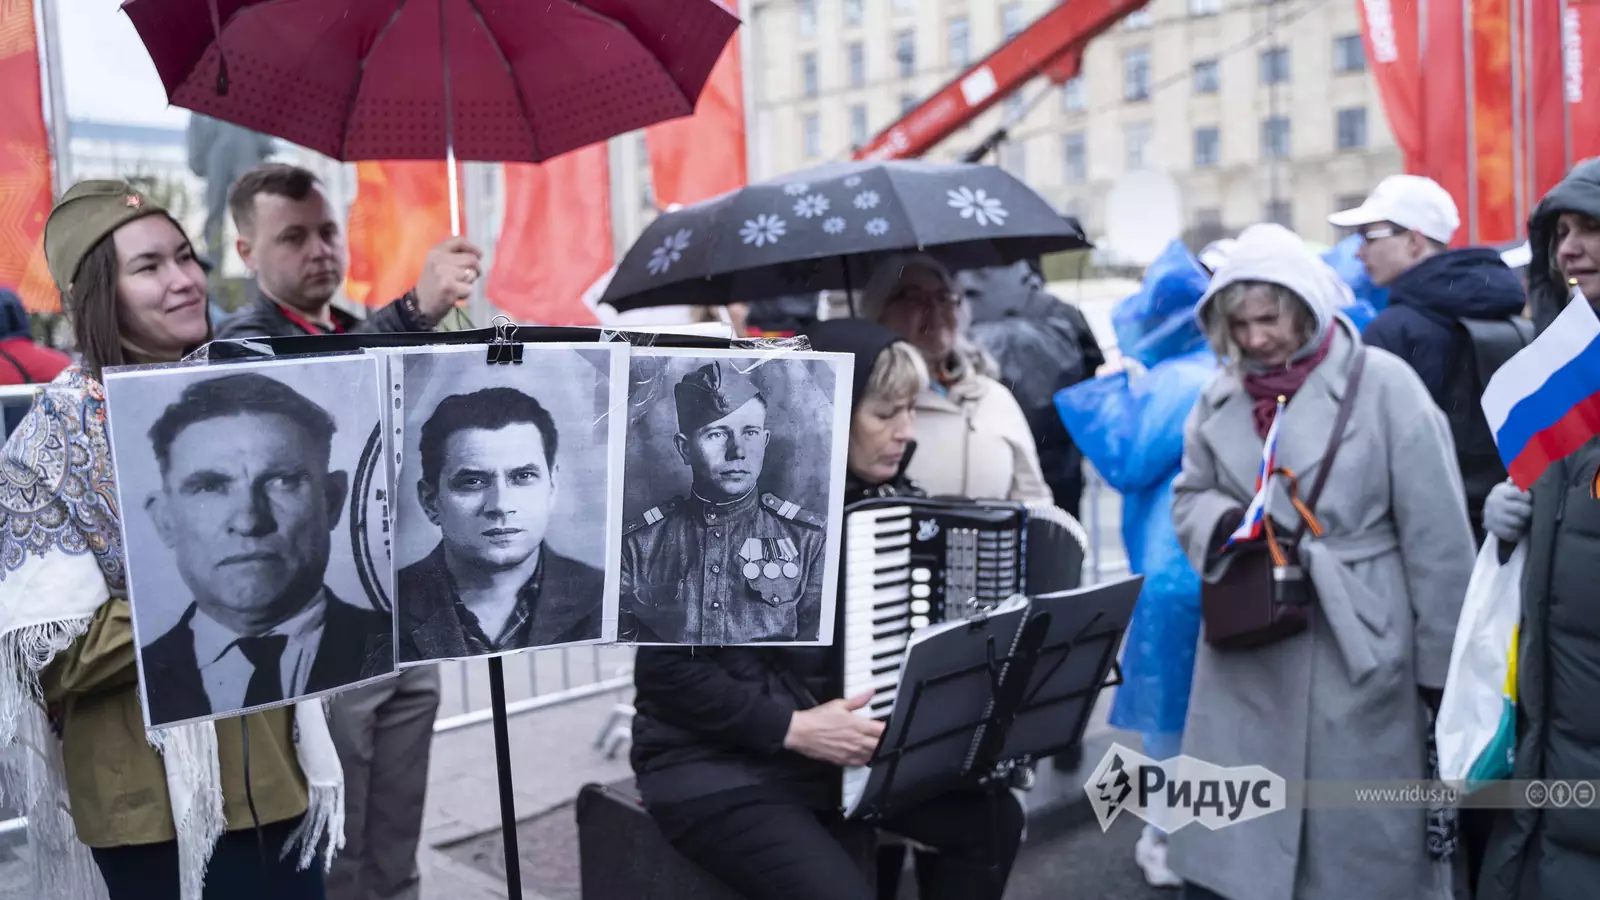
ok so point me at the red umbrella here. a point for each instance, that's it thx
(366, 79)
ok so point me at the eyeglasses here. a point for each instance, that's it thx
(1379, 232)
(912, 296)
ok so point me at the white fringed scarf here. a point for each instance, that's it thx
(60, 553)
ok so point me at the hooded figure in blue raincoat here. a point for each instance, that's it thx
(1129, 425)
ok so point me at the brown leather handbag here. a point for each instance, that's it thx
(1265, 595)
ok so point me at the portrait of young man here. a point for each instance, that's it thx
(730, 563)
(248, 500)
(488, 480)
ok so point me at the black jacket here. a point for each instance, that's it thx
(357, 644)
(265, 318)
(1554, 854)
(569, 607)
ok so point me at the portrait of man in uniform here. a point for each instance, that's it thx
(730, 561)
(248, 501)
(488, 480)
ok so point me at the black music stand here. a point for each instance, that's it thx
(503, 347)
(1002, 687)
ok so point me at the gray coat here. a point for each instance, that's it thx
(1339, 701)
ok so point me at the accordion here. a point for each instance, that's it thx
(913, 562)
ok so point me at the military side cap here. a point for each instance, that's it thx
(88, 212)
(710, 392)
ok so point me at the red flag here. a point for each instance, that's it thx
(1390, 31)
(402, 211)
(25, 197)
(1581, 57)
(1445, 111)
(1548, 140)
(1494, 205)
(556, 238)
(699, 157)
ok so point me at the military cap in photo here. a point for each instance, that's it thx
(89, 211)
(711, 392)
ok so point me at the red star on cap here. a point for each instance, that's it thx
(134, 201)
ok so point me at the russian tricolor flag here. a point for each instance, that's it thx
(1255, 516)
(1544, 403)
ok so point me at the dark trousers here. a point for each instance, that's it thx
(1192, 891)
(783, 851)
(242, 868)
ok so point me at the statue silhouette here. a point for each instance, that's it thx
(219, 152)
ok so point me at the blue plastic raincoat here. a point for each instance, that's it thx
(1130, 426)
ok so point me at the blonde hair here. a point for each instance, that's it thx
(1219, 331)
(886, 280)
(898, 375)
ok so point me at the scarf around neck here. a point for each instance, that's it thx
(1267, 386)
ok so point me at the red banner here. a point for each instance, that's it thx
(1445, 112)
(25, 196)
(1581, 64)
(1389, 29)
(556, 238)
(402, 211)
(1495, 131)
(1546, 87)
(699, 157)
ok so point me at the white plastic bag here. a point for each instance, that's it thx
(1476, 727)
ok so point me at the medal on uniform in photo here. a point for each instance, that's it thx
(769, 565)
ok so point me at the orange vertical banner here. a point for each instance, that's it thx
(556, 238)
(1390, 30)
(1494, 218)
(25, 196)
(698, 157)
(1581, 63)
(402, 210)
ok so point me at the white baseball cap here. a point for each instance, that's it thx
(1409, 201)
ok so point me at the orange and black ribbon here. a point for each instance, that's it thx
(1594, 484)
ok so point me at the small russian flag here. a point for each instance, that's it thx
(1544, 403)
(1256, 514)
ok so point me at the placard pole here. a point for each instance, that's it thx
(502, 759)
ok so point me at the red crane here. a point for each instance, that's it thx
(1052, 46)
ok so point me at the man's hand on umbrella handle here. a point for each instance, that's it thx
(448, 274)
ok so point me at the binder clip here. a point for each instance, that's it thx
(502, 349)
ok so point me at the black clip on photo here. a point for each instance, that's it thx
(502, 348)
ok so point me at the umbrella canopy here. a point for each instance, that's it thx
(365, 79)
(822, 229)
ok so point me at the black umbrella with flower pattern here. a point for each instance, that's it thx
(824, 228)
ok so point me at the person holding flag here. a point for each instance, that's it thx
(1387, 555)
(1543, 409)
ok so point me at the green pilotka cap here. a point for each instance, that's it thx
(88, 212)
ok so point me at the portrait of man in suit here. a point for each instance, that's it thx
(488, 481)
(247, 502)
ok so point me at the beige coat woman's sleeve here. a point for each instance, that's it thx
(1198, 506)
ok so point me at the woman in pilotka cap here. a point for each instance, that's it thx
(176, 813)
(1344, 699)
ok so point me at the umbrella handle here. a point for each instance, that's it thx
(449, 124)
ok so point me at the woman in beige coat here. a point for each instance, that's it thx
(974, 440)
(1344, 700)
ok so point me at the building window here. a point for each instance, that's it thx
(1207, 77)
(1208, 225)
(1349, 54)
(1348, 201)
(1011, 22)
(1207, 146)
(1136, 74)
(1205, 7)
(808, 74)
(858, 125)
(1072, 96)
(1352, 128)
(908, 102)
(1014, 159)
(1136, 141)
(858, 64)
(904, 7)
(959, 44)
(1075, 158)
(1275, 137)
(811, 135)
(1139, 18)
(905, 52)
(1275, 65)
(852, 12)
(1279, 212)
(808, 17)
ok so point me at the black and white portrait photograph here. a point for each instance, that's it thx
(733, 491)
(508, 488)
(248, 577)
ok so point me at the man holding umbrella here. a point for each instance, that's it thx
(295, 246)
